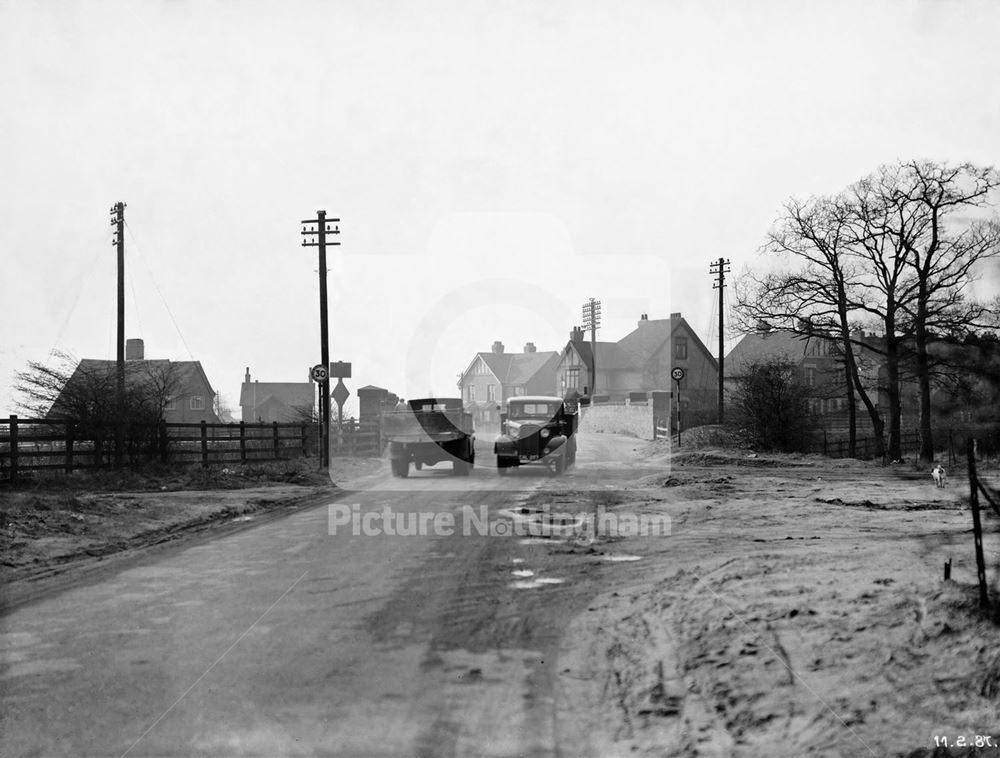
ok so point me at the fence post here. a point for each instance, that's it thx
(204, 443)
(825, 450)
(305, 441)
(243, 442)
(13, 449)
(277, 456)
(69, 447)
(977, 527)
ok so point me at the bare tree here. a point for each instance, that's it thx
(85, 393)
(771, 406)
(818, 298)
(942, 256)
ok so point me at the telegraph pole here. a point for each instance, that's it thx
(118, 222)
(315, 231)
(592, 320)
(719, 269)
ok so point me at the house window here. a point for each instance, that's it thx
(810, 376)
(170, 404)
(491, 393)
(572, 378)
(197, 403)
(680, 348)
(471, 393)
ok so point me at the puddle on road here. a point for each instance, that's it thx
(517, 560)
(620, 558)
(540, 541)
(522, 573)
(531, 584)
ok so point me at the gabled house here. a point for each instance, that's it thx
(817, 359)
(494, 376)
(640, 362)
(181, 386)
(284, 402)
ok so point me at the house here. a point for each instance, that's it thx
(641, 362)
(493, 377)
(817, 359)
(284, 402)
(181, 387)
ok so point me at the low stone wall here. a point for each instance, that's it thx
(633, 420)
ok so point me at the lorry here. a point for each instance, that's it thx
(428, 431)
(537, 429)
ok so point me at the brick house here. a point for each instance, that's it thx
(640, 362)
(494, 376)
(190, 398)
(284, 402)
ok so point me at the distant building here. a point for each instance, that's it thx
(284, 402)
(641, 362)
(187, 394)
(494, 376)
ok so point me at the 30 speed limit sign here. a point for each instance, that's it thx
(677, 374)
(320, 373)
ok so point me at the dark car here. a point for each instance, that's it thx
(536, 429)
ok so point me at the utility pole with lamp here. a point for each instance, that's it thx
(592, 321)
(719, 269)
(315, 232)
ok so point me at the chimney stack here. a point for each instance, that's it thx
(498, 347)
(576, 335)
(529, 347)
(247, 377)
(675, 315)
(134, 350)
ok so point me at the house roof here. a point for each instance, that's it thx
(610, 355)
(634, 349)
(291, 394)
(514, 368)
(761, 346)
(184, 374)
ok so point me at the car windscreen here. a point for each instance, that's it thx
(531, 410)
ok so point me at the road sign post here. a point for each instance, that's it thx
(678, 375)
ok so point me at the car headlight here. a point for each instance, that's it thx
(545, 433)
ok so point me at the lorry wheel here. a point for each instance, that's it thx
(418, 465)
(400, 467)
(502, 467)
(462, 468)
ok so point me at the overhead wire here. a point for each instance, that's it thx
(138, 248)
(88, 273)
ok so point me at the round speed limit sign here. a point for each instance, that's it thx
(677, 374)
(320, 373)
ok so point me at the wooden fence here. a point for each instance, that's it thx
(949, 443)
(56, 445)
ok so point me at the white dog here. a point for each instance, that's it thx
(939, 475)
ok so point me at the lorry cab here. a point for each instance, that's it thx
(536, 429)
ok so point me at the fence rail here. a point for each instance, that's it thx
(56, 445)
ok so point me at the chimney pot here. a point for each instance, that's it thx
(134, 350)
(529, 347)
(576, 335)
(675, 315)
(498, 347)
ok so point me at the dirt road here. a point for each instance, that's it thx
(793, 607)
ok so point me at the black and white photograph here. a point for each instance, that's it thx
(499, 378)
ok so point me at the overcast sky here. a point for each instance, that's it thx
(493, 164)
